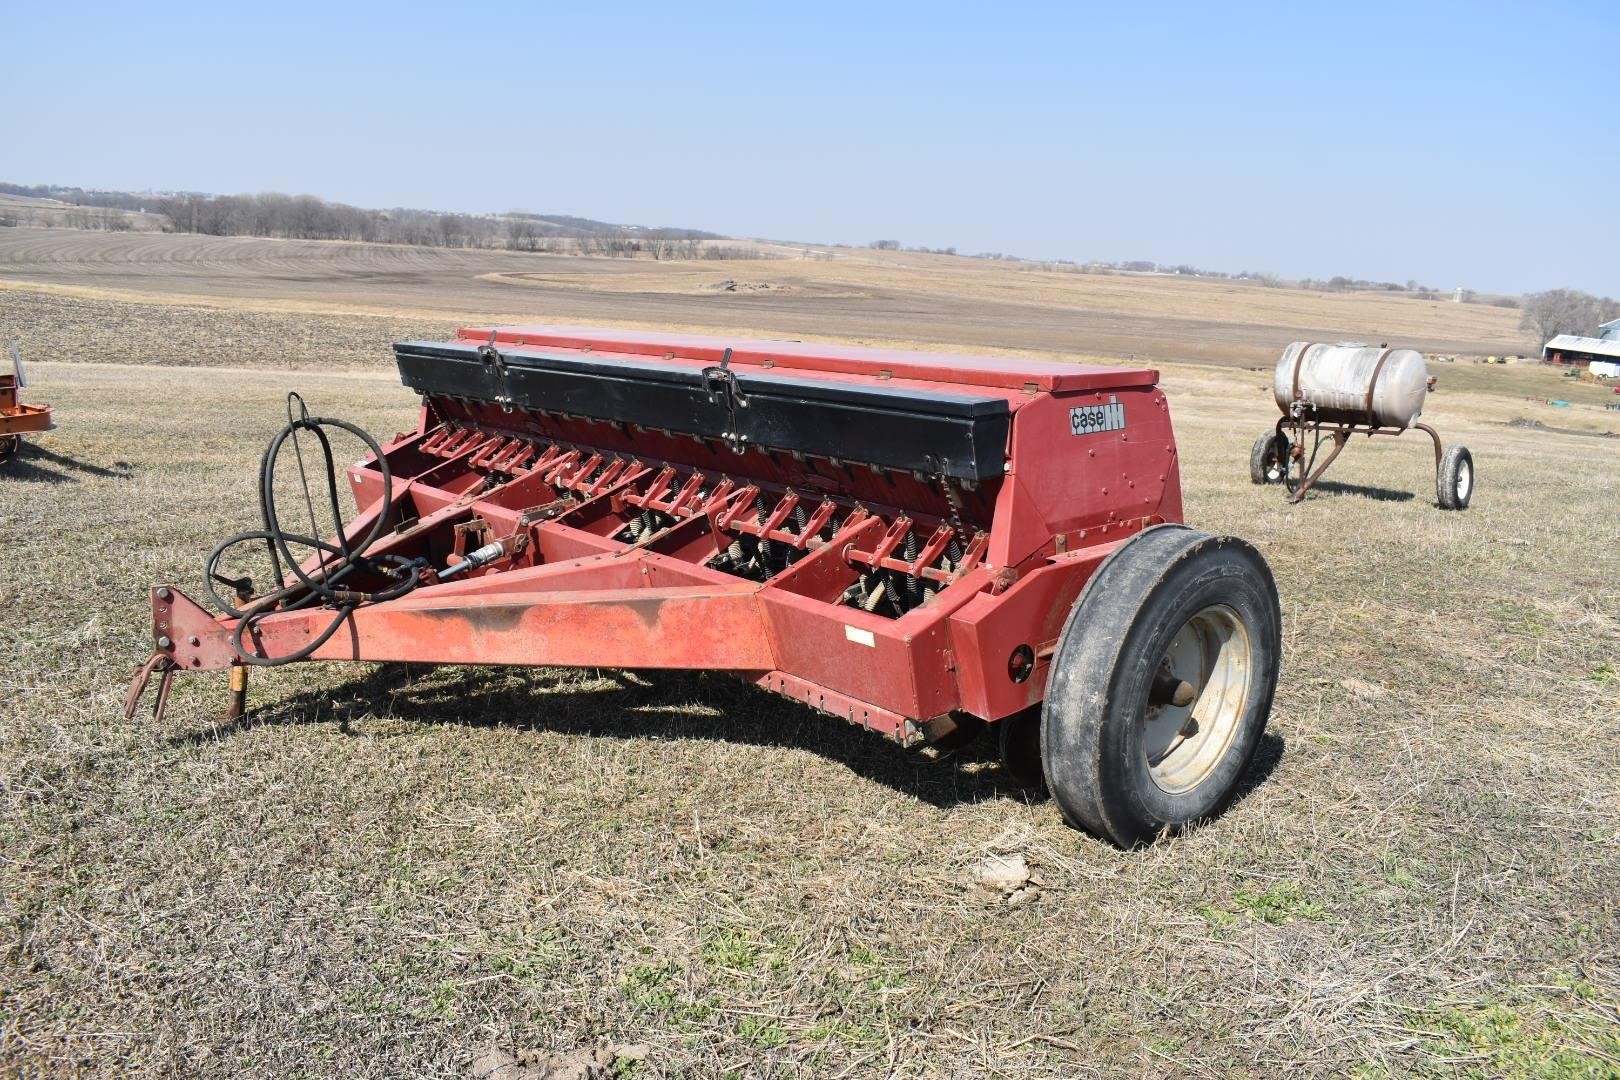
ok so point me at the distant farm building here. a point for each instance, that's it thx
(1610, 331)
(1582, 351)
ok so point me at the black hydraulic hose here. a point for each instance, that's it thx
(261, 609)
(335, 561)
(269, 499)
(211, 567)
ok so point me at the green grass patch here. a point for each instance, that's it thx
(647, 987)
(1537, 1038)
(1277, 904)
(762, 1031)
(1396, 874)
(732, 949)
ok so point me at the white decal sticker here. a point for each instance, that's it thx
(860, 637)
(1090, 419)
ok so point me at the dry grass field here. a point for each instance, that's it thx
(853, 295)
(387, 871)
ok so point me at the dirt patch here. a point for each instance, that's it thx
(603, 1063)
(692, 279)
(848, 295)
(1537, 425)
(54, 327)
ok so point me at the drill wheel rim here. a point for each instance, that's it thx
(1213, 653)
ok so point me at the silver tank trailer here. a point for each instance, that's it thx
(1353, 383)
(1328, 393)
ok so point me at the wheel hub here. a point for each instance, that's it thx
(1197, 699)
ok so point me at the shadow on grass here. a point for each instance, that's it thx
(1334, 487)
(1267, 756)
(660, 705)
(34, 462)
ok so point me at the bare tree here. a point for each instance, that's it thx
(522, 235)
(1565, 311)
(450, 230)
(308, 218)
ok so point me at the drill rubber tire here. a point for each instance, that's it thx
(1095, 720)
(1018, 737)
(1268, 461)
(9, 445)
(1454, 480)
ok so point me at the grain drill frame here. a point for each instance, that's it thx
(915, 543)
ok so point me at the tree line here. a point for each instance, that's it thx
(307, 217)
(112, 200)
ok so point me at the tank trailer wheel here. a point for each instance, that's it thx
(1268, 461)
(1454, 480)
(1161, 684)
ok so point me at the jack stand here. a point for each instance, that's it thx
(238, 707)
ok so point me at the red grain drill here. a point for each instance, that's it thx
(916, 543)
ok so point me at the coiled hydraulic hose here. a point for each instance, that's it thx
(335, 562)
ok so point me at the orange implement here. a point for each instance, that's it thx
(17, 419)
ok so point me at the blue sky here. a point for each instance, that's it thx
(1473, 145)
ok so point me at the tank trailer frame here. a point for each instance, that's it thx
(918, 544)
(1297, 426)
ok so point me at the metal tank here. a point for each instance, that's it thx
(1353, 383)
(1328, 393)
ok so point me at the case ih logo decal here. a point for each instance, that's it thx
(1090, 419)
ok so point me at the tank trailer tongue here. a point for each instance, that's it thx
(920, 544)
(1336, 391)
